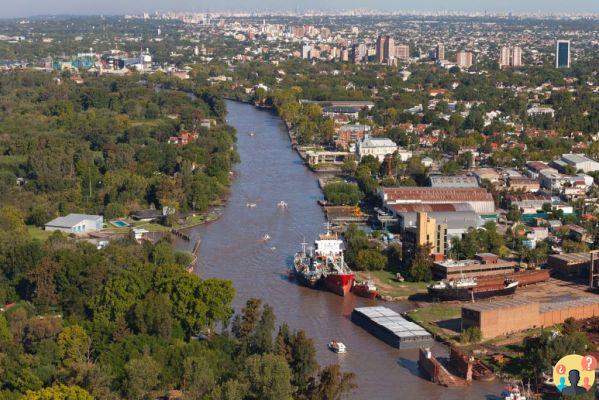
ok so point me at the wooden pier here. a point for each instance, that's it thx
(195, 253)
(181, 235)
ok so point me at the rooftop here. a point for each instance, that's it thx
(72, 220)
(445, 194)
(498, 304)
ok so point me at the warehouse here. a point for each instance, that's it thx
(503, 317)
(484, 264)
(569, 265)
(479, 199)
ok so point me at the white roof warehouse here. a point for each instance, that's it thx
(76, 223)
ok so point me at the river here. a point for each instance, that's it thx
(232, 248)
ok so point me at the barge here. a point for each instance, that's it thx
(391, 328)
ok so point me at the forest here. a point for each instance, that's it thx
(100, 144)
(130, 322)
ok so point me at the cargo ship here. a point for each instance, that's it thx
(308, 271)
(365, 289)
(469, 289)
(326, 264)
(338, 277)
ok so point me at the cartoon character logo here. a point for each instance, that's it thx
(575, 374)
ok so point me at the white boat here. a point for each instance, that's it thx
(337, 347)
(512, 393)
(266, 237)
(252, 133)
(281, 204)
(250, 205)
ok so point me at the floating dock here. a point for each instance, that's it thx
(391, 327)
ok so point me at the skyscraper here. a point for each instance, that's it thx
(440, 52)
(504, 57)
(562, 54)
(463, 59)
(385, 49)
(380, 44)
(516, 56)
(402, 52)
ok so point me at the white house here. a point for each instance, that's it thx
(379, 148)
(76, 223)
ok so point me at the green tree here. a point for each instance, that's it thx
(198, 377)
(370, 260)
(268, 377)
(262, 339)
(420, 269)
(59, 392)
(153, 315)
(74, 346)
(141, 378)
(331, 384)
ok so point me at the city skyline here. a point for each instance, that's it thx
(28, 8)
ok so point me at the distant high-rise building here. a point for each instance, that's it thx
(463, 59)
(402, 52)
(440, 52)
(510, 57)
(359, 52)
(344, 55)
(504, 57)
(562, 54)
(306, 50)
(380, 45)
(385, 49)
(516, 60)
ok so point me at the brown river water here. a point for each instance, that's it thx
(232, 248)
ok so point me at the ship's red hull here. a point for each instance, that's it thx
(339, 283)
(363, 291)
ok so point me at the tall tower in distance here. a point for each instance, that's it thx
(380, 44)
(562, 54)
(440, 52)
(504, 57)
(516, 56)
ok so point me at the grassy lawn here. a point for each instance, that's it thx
(38, 233)
(389, 286)
(428, 316)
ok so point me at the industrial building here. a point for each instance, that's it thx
(503, 317)
(570, 264)
(479, 199)
(484, 264)
(462, 181)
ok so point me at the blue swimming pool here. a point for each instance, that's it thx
(119, 224)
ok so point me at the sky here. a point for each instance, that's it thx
(25, 8)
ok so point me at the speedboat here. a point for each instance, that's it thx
(281, 204)
(250, 205)
(266, 237)
(337, 347)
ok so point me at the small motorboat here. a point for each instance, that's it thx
(252, 134)
(282, 204)
(365, 289)
(250, 205)
(337, 347)
(266, 237)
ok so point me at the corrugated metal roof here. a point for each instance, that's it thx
(497, 304)
(72, 219)
(449, 194)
